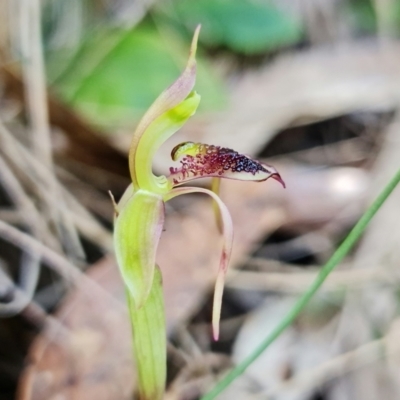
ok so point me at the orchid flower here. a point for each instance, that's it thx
(140, 212)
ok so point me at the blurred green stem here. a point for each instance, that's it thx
(336, 258)
(149, 342)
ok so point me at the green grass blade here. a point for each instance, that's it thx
(336, 258)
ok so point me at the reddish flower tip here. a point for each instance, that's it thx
(216, 336)
(278, 178)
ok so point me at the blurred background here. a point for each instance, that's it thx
(309, 86)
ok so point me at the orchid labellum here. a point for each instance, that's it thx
(140, 212)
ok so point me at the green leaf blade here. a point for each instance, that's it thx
(117, 74)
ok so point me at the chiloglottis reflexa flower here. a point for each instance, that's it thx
(140, 212)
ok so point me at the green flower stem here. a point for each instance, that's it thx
(149, 341)
(336, 258)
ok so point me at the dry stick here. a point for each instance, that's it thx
(29, 214)
(22, 303)
(265, 265)
(87, 225)
(36, 99)
(10, 216)
(35, 171)
(44, 184)
(287, 320)
(298, 282)
(277, 275)
(53, 328)
(34, 78)
(84, 221)
(91, 198)
(55, 261)
(338, 366)
(29, 264)
(80, 135)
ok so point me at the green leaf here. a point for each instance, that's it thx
(149, 342)
(362, 15)
(117, 74)
(137, 232)
(364, 18)
(244, 26)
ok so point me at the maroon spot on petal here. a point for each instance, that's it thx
(213, 160)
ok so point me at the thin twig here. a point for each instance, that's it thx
(52, 327)
(55, 261)
(35, 78)
(37, 175)
(335, 367)
(28, 212)
(10, 216)
(43, 183)
(298, 282)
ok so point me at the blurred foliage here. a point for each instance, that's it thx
(111, 73)
(111, 69)
(117, 73)
(363, 15)
(243, 26)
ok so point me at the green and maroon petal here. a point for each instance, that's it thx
(198, 160)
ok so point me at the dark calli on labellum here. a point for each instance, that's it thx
(200, 160)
